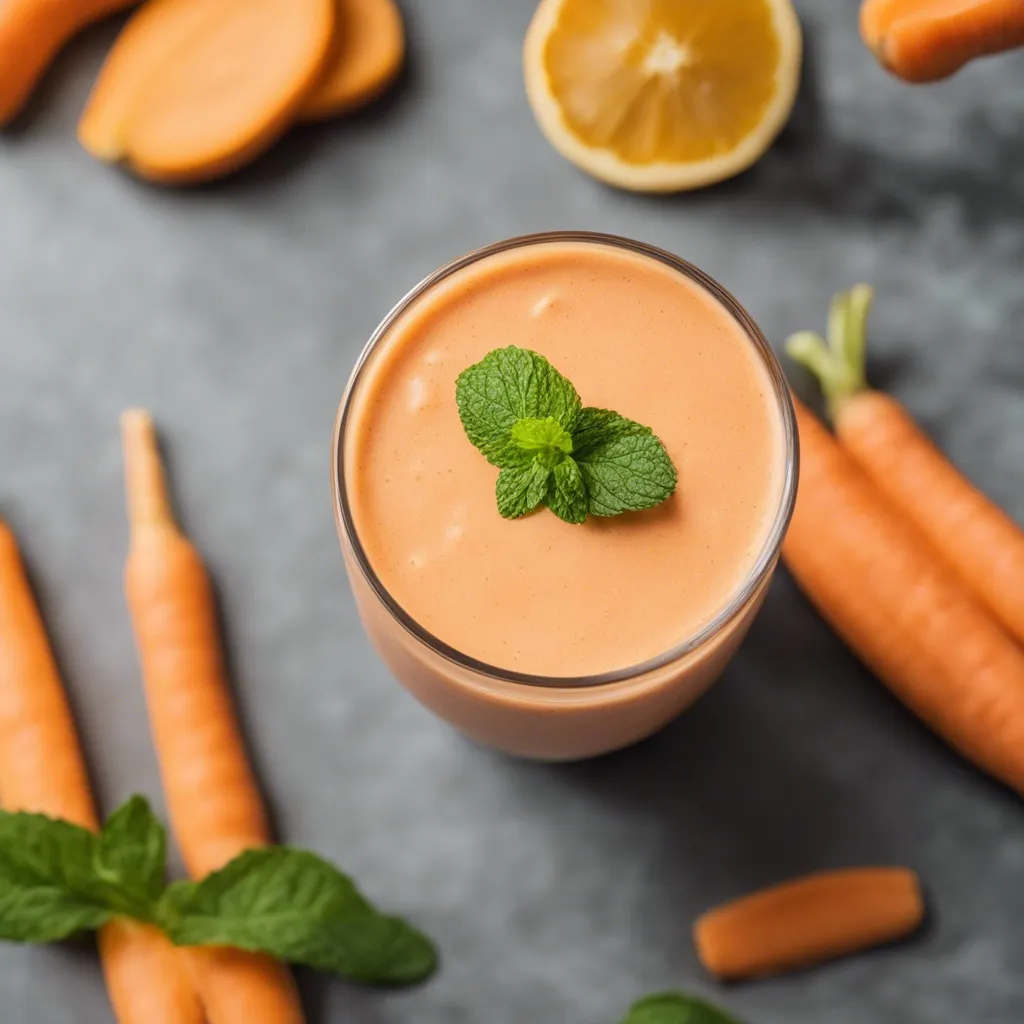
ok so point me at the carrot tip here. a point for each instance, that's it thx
(148, 500)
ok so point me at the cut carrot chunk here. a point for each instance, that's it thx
(146, 44)
(230, 90)
(368, 53)
(809, 920)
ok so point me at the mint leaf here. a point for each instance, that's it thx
(625, 468)
(567, 495)
(676, 1008)
(546, 440)
(520, 491)
(506, 386)
(527, 420)
(297, 907)
(49, 888)
(132, 857)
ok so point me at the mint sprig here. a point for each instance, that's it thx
(676, 1008)
(57, 879)
(528, 420)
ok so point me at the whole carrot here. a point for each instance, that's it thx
(215, 807)
(976, 537)
(875, 578)
(808, 920)
(42, 770)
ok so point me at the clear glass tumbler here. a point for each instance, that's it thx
(559, 718)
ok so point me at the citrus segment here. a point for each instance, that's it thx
(662, 95)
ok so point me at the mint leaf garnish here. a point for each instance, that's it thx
(49, 888)
(676, 1008)
(57, 879)
(521, 490)
(132, 854)
(295, 906)
(506, 386)
(625, 467)
(567, 495)
(546, 440)
(527, 419)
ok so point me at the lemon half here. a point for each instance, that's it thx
(662, 95)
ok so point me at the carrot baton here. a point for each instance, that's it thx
(214, 804)
(808, 920)
(42, 771)
(976, 537)
(874, 577)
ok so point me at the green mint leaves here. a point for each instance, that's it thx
(676, 1008)
(528, 420)
(57, 879)
(297, 907)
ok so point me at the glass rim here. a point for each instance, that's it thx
(756, 576)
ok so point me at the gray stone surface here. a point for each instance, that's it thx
(558, 894)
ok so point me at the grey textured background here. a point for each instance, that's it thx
(558, 894)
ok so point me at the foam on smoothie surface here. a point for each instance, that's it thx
(538, 595)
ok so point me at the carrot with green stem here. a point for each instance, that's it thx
(214, 804)
(42, 771)
(976, 537)
(875, 578)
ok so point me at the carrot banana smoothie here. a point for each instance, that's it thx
(563, 470)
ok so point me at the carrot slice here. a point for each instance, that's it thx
(31, 34)
(215, 806)
(875, 578)
(148, 41)
(368, 54)
(42, 770)
(976, 537)
(230, 90)
(809, 920)
(926, 40)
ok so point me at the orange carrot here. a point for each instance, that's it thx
(150, 38)
(976, 537)
(809, 920)
(215, 807)
(367, 55)
(31, 34)
(42, 770)
(925, 40)
(876, 579)
(225, 93)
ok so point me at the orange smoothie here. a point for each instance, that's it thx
(536, 604)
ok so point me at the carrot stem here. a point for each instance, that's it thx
(838, 362)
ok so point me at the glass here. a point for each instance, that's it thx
(559, 718)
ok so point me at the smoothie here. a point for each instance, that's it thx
(448, 587)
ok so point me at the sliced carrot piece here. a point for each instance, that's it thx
(230, 90)
(808, 920)
(368, 54)
(146, 43)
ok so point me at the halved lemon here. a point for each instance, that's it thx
(662, 95)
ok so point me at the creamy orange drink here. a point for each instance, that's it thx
(563, 469)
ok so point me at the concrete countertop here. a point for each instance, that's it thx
(558, 894)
